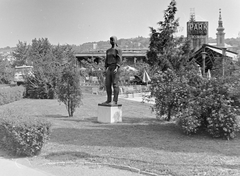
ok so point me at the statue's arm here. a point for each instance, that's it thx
(119, 57)
(106, 61)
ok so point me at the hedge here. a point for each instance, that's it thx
(23, 135)
(11, 94)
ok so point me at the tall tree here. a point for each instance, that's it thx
(21, 54)
(68, 88)
(46, 60)
(165, 49)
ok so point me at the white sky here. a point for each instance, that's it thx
(80, 21)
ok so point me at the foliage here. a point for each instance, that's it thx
(165, 50)
(6, 71)
(69, 91)
(189, 120)
(223, 123)
(141, 66)
(170, 92)
(198, 103)
(48, 64)
(11, 94)
(23, 135)
(214, 108)
(37, 89)
(21, 54)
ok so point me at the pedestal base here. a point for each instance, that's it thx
(109, 113)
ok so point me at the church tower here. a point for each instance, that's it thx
(220, 33)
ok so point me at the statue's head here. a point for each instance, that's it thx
(113, 40)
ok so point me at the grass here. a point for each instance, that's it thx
(140, 142)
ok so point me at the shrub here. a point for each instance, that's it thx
(23, 135)
(189, 120)
(211, 105)
(198, 103)
(69, 90)
(11, 94)
(222, 123)
(169, 92)
(37, 89)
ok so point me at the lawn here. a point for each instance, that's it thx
(140, 142)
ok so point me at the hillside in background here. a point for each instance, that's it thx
(7, 49)
(138, 42)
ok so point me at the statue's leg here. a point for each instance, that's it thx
(115, 79)
(108, 86)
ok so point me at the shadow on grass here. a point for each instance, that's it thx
(66, 156)
(125, 120)
(143, 133)
(90, 119)
(56, 116)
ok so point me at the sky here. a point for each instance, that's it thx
(80, 21)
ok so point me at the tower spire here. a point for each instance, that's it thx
(220, 19)
(220, 33)
(220, 16)
(192, 14)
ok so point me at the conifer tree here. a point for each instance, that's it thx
(165, 49)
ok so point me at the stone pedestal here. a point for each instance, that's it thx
(108, 113)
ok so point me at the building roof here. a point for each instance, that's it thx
(225, 45)
(213, 53)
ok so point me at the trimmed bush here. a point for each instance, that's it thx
(223, 123)
(23, 135)
(189, 120)
(11, 94)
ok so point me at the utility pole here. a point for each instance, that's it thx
(223, 61)
(203, 62)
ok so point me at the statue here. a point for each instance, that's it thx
(112, 64)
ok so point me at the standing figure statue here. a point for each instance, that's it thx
(112, 64)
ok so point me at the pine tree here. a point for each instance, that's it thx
(165, 49)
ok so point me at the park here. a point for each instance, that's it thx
(175, 106)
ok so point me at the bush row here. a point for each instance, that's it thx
(11, 94)
(198, 103)
(23, 135)
(212, 106)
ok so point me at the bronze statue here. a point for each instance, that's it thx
(112, 64)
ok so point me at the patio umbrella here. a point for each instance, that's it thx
(129, 68)
(199, 71)
(209, 74)
(146, 77)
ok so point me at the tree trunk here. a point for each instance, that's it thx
(169, 113)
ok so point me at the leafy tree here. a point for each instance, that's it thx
(47, 67)
(39, 84)
(166, 50)
(21, 54)
(38, 49)
(168, 58)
